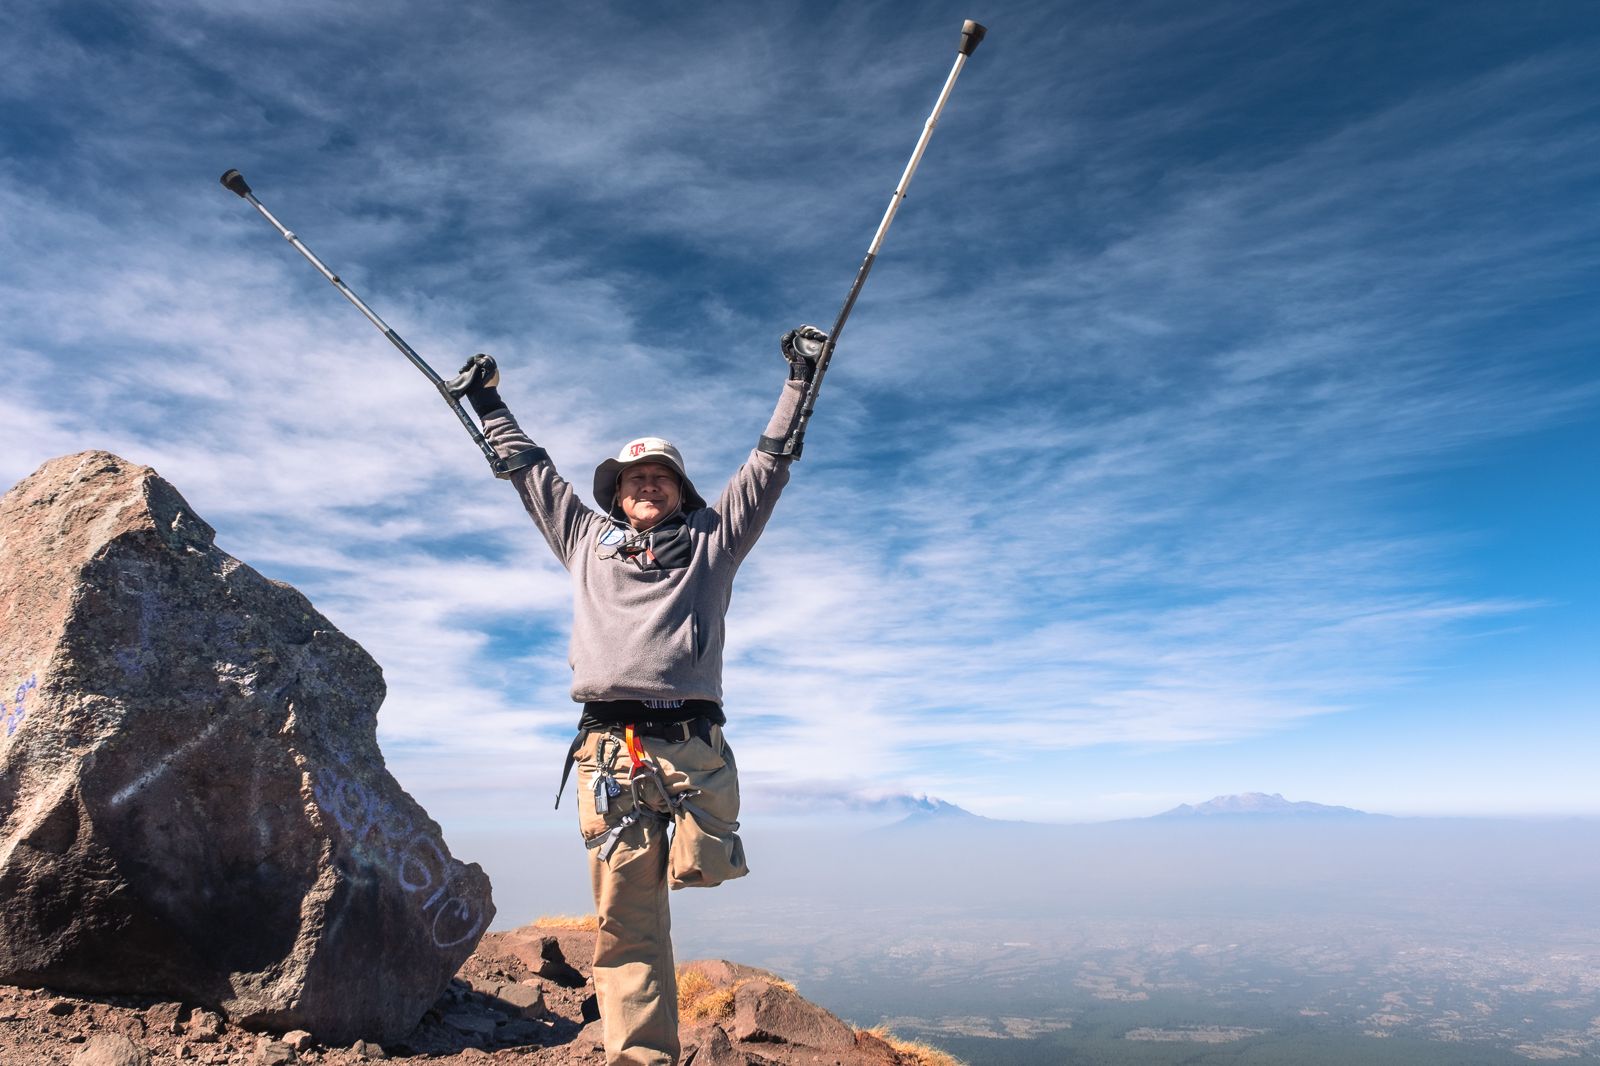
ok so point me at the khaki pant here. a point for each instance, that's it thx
(631, 865)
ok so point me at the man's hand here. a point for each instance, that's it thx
(479, 372)
(476, 381)
(801, 347)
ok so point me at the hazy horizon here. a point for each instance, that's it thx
(1302, 929)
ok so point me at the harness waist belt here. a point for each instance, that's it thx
(677, 732)
(599, 714)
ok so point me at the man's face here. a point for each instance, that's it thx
(648, 492)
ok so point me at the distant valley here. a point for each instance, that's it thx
(1246, 936)
(1188, 937)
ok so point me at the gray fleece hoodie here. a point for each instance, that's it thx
(641, 631)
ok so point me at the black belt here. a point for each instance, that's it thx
(677, 732)
(599, 714)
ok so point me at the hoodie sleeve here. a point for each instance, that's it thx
(752, 493)
(550, 501)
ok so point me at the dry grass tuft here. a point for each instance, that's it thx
(918, 1052)
(587, 922)
(701, 999)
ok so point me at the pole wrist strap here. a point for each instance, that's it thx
(516, 461)
(778, 446)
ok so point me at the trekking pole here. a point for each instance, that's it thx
(234, 181)
(971, 34)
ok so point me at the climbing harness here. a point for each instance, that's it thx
(643, 771)
(607, 716)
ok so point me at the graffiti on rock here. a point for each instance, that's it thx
(387, 837)
(18, 710)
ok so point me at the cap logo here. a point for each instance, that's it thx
(636, 449)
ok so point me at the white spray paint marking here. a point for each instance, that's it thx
(160, 768)
(384, 837)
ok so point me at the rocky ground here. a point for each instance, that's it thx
(524, 996)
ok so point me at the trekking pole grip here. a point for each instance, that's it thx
(971, 34)
(233, 181)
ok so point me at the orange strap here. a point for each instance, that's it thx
(635, 752)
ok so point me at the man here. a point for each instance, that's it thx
(652, 574)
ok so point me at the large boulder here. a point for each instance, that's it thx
(192, 801)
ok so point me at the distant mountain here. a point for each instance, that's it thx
(1259, 804)
(925, 813)
(935, 814)
(822, 799)
(930, 811)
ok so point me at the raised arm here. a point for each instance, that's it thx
(550, 501)
(752, 493)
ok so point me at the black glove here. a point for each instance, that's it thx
(477, 380)
(801, 347)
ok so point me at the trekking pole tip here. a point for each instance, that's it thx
(971, 33)
(235, 181)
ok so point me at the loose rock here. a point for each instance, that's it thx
(711, 1047)
(111, 1049)
(591, 1036)
(274, 1053)
(527, 999)
(543, 957)
(763, 1011)
(164, 1017)
(204, 1027)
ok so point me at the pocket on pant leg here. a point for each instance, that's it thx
(706, 849)
(705, 852)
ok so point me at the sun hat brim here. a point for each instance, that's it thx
(607, 473)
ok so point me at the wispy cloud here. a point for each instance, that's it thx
(1115, 449)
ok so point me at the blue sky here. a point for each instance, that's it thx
(1221, 414)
